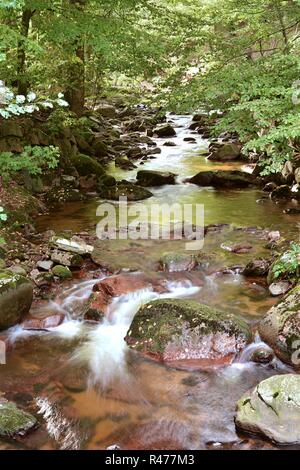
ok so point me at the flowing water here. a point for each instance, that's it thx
(89, 390)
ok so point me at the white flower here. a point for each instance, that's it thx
(20, 99)
(31, 97)
(60, 95)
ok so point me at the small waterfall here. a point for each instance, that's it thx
(104, 351)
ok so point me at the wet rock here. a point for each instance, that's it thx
(99, 148)
(279, 288)
(176, 262)
(45, 265)
(223, 179)
(153, 151)
(86, 165)
(72, 245)
(61, 195)
(288, 172)
(88, 183)
(281, 192)
(257, 268)
(105, 291)
(200, 117)
(14, 421)
(280, 328)
(51, 321)
(269, 187)
(225, 152)
(169, 143)
(190, 139)
(185, 333)
(16, 294)
(63, 272)
(41, 278)
(262, 355)
(124, 163)
(66, 259)
(272, 409)
(124, 188)
(155, 178)
(241, 249)
(164, 130)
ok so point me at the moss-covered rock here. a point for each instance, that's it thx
(165, 130)
(63, 272)
(280, 328)
(225, 151)
(272, 409)
(13, 421)
(155, 178)
(181, 332)
(16, 293)
(86, 165)
(124, 189)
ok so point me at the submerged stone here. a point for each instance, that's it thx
(186, 333)
(272, 409)
(155, 178)
(132, 191)
(16, 294)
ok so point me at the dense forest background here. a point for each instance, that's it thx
(240, 57)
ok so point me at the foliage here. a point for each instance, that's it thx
(288, 264)
(34, 159)
(3, 215)
(15, 105)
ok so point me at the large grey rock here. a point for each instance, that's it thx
(72, 245)
(225, 152)
(280, 328)
(16, 293)
(272, 409)
(186, 333)
(13, 421)
(164, 130)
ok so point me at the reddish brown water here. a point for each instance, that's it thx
(90, 392)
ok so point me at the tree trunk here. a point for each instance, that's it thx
(75, 93)
(22, 81)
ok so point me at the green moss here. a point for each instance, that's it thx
(86, 165)
(62, 272)
(14, 421)
(160, 321)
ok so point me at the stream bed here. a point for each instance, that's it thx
(80, 378)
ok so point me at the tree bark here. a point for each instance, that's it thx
(22, 81)
(75, 93)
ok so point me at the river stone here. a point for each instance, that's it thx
(13, 421)
(66, 259)
(226, 152)
(257, 268)
(155, 178)
(184, 333)
(224, 179)
(86, 165)
(72, 245)
(164, 130)
(176, 262)
(126, 189)
(16, 294)
(279, 288)
(63, 272)
(280, 328)
(272, 409)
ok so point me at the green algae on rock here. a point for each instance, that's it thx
(184, 332)
(13, 421)
(16, 294)
(272, 409)
(280, 328)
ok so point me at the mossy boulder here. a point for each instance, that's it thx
(124, 188)
(280, 328)
(63, 272)
(225, 152)
(186, 333)
(164, 130)
(224, 179)
(155, 178)
(272, 409)
(86, 165)
(13, 421)
(16, 293)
